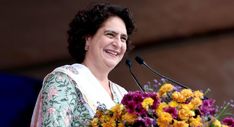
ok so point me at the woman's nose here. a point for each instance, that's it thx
(117, 42)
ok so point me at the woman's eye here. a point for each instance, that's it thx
(111, 35)
(123, 39)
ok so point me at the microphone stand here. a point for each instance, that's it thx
(141, 61)
(129, 64)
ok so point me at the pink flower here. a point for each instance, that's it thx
(208, 107)
(228, 121)
(173, 111)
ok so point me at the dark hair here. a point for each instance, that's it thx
(87, 22)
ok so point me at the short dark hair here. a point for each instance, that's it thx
(88, 21)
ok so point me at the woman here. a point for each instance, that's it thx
(98, 39)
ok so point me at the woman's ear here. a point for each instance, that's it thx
(87, 42)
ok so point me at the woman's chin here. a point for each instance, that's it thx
(111, 63)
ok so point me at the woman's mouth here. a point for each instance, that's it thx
(112, 52)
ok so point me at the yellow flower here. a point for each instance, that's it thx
(180, 124)
(198, 94)
(110, 123)
(121, 125)
(165, 88)
(103, 118)
(195, 122)
(98, 113)
(147, 102)
(216, 123)
(185, 113)
(178, 97)
(173, 104)
(161, 107)
(186, 106)
(187, 93)
(195, 102)
(117, 110)
(130, 118)
(164, 119)
(94, 122)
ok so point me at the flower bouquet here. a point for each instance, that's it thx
(165, 105)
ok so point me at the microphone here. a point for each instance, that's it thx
(141, 61)
(129, 64)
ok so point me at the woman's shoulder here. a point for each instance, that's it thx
(72, 68)
(59, 91)
(64, 71)
(60, 75)
(58, 80)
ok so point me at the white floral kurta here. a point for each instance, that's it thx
(61, 104)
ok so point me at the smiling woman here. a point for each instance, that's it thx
(98, 39)
(108, 46)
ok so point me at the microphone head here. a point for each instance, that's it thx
(139, 60)
(129, 63)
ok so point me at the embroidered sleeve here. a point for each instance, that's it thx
(63, 104)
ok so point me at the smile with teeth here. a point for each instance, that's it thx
(111, 52)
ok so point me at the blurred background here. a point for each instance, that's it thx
(189, 41)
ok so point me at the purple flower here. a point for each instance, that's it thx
(139, 123)
(207, 107)
(132, 102)
(156, 101)
(131, 106)
(135, 97)
(148, 121)
(229, 121)
(143, 122)
(172, 111)
(126, 98)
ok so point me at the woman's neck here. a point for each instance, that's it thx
(100, 73)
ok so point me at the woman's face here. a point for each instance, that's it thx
(108, 46)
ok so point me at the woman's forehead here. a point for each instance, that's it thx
(115, 24)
